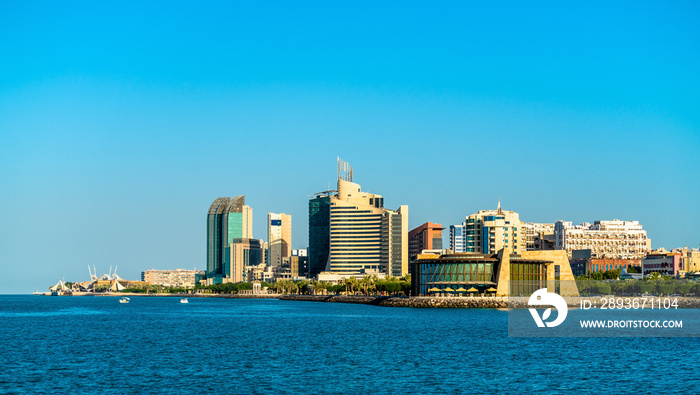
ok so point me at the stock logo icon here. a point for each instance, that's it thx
(543, 298)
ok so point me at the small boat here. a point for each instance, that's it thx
(184, 300)
(124, 300)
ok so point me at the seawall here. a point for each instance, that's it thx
(483, 303)
(394, 301)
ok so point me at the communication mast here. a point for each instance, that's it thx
(344, 170)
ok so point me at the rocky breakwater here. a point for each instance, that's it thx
(392, 301)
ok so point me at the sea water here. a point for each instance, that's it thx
(231, 346)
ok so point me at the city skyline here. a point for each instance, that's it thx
(119, 125)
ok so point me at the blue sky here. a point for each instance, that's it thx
(121, 123)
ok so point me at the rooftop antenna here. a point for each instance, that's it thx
(344, 171)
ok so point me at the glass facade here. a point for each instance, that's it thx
(480, 272)
(225, 222)
(454, 274)
(319, 233)
(526, 278)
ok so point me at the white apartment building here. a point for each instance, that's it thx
(614, 239)
(458, 238)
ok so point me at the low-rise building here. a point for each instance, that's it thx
(501, 274)
(663, 262)
(690, 259)
(178, 278)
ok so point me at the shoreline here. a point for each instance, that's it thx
(404, 301)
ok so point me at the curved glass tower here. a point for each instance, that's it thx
(227, 219)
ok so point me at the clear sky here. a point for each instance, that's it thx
(120, 123)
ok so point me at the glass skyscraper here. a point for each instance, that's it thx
(319, 233)
(227, 219)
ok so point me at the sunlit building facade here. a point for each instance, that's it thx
(606, 239)
(227, 219)
(489, 231)
(363, 236)
(279, 238)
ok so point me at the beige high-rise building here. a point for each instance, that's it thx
(279, 238)
(489, 231)
(364, 236)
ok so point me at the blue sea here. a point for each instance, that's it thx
(233, 346)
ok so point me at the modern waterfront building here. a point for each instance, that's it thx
(489, 231)
(227, 219)
(239, 255)
(606, 239)
(663, 262)
(354, 231)
(500, 274)
(458, 238)
(179, 278)
(538, 236)
(279, 238)
(425, 237)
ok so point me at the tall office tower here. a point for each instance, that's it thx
(227, 219)
(319, 232)
(425, 237)
(458, 238)
(279, 238)
(364, 237)
(606, 239)
(489, 231)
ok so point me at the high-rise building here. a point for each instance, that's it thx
(458, 238)
(394, 239)
(239, 255)
(488, 231)
(425, 237)
(362, 236)
(606, 239)
(319, 232)
(227, 219)
(279, 238)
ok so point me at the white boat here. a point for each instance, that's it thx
(184, 300)
(124, 300)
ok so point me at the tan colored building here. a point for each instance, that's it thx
(690, 259)
(606, 239)
(172, 278)
(364, 236)
(279, 238)
(240, 254)
(489, 231)
(539, 236)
